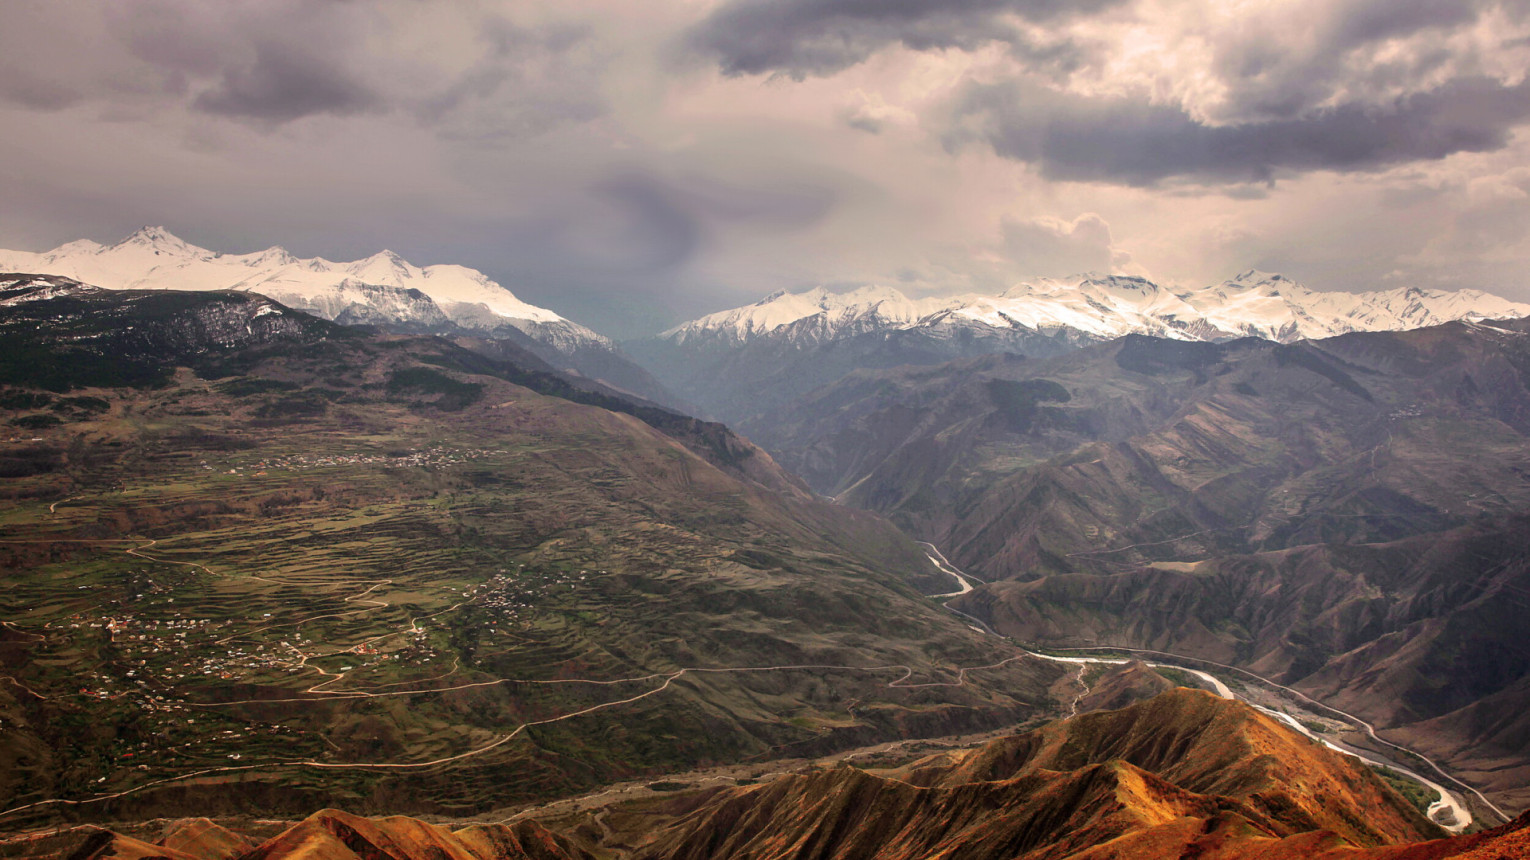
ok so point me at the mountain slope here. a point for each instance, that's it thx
(763, 355)
(330, 834)
(1158, 777)
(382, 290)
(1176, 451)
(1184, 774)
(1344, 516)
(258, 561)
(334, 835)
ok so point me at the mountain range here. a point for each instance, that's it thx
(284, 534)
(1344, 515)
(381, 290)
(737, 364)
(1253, 304)
(745, 362)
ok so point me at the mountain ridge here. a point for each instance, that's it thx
(314, 565)
(1339, 515)
(383, 290)
(1179, 774)
(742, 364)
(1251, 304)
(1149, 780)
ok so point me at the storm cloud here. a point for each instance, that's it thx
(280, 85)
(631, 165)
(819, 37)
(1132, 143)
(278, 61)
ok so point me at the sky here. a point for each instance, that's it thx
(634, 163)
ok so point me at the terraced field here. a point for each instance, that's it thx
(305, 585)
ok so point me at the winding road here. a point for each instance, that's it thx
(1446, 803)
(903, 681)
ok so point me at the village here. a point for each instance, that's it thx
(435, 457)
(153, 649)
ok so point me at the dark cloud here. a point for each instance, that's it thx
(1281, 72)
(283, 83)
(1134, 143)
(820, 37)
(1373, 20)
(469, 73)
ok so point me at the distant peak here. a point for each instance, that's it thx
(274, 255)
(1129, 282)
(78, 246)
(1255, 276)
(157, 236)
(378, 263)
(873, 293)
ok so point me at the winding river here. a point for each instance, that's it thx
(1448, 810)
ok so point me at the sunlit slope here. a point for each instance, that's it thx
(1156, 779)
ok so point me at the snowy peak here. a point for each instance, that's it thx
(158, 241)
(1254, 277)
(155, 237)
(381, 289)
(1100, 307)
(814, 314)
(272, 257)
(78, 246)
(383, 267)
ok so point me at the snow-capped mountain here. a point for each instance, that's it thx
(1090, 307)
(814, 315)
(744, 364)
(383, 289)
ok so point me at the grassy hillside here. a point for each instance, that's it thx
(288, 565)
